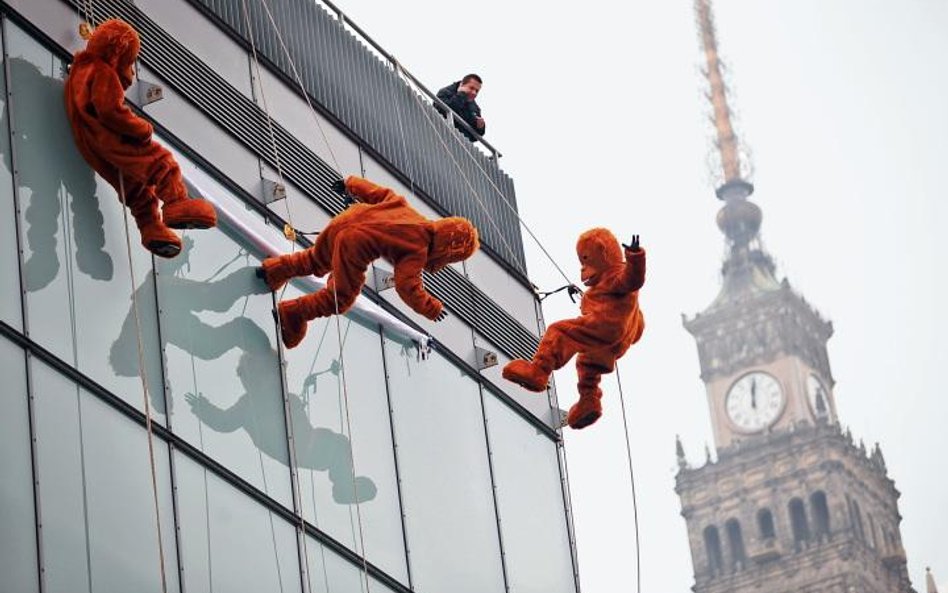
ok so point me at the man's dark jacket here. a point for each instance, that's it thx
(468, 109)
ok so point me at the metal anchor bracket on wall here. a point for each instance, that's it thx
(485, 358)
(272, 191)
(384, 279)
(559, 418)
(148, 92)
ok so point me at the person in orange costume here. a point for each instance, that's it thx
(383, 225)
(118, 144)
(610, 322)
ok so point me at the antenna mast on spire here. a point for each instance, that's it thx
(726, 141)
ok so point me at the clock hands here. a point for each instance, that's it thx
(754, 401)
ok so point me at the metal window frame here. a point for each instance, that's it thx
(24, 306)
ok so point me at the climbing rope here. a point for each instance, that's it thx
(345, 399)
(299, 82)
(253, 418)
(401, 131)
(207, 497)
(635, 506)
(304, 396)
(289, 229)
(143, 375)
(291, 236)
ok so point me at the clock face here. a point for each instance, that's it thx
(818, 396)
(754, 401)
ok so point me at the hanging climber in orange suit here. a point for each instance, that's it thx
(383, 225)
(118, 144)
(610, 322)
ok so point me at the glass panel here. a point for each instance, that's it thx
(223, 373)
(228, 541)
(530, 503)
(96, 497)
(17, 517)
(331, 573)
(317, 400)
(218, 333)
(9, 269)
(443, 466)
(74, 245)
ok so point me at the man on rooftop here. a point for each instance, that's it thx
(459, 96)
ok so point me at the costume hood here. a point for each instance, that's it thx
(598, 250)
(455, 239)
(116, 43)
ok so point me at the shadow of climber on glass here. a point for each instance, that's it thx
(317, 448)
(49, 165)
(181, 298)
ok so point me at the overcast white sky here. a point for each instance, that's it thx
(598, 109)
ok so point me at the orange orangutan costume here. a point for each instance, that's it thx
(385, 226)
(118, 145)
(610, 322)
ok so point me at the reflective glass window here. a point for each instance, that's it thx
(17, 517)
(219, 340)
(530, 503)
(339, 470)
(330, 573)
(446, 487)
(228, 541)
(96, 498)
(76, 262)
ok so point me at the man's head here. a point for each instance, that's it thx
(470, 85)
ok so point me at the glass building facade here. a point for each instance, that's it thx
(355, 462)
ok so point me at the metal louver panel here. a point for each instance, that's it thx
(245, 121)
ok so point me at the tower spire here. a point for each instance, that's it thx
(748, 269)
(726, 139)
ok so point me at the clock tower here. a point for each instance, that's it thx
(792, 503)
(761, 346)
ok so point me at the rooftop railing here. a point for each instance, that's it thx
(396, 65)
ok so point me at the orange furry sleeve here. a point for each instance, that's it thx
(368, 192)
(632, 276)
(108, 97)
(410, 287)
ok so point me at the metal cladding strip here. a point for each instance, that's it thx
(468, 302)
(247, 122)
(345, 77)
(253, 231)
(482, 313)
